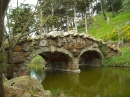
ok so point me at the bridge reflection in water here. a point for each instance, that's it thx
(90, 82)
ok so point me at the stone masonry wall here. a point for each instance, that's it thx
(72, 44)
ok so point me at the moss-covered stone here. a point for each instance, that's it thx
(24, 86)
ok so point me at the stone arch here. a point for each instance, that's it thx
(53, 52)
(90, 57)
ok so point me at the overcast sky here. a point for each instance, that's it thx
(13, 3)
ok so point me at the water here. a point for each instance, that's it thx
(91, 82)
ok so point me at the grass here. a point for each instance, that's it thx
(122, 60)
(99, 28)
(36, 63)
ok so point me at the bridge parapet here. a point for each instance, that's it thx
(74, 42)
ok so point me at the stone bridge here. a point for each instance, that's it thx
(66, 52)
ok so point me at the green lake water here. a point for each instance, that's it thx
(90, 82)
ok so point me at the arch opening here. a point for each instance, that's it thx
(56, 60)
(37, 62)
(90, 58)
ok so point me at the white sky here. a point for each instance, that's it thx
(13, 3)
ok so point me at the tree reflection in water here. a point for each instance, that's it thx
(38, 74)
(91, 82)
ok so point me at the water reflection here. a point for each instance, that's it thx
(91, 82)
(38, 74)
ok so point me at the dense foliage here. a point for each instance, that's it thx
(19, 18)
(121, 33)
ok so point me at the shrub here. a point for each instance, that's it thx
(113, 35)
(127, 31)
(119, 33)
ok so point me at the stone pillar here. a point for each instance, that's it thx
(74, 66)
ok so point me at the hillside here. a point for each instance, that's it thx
(99, 27)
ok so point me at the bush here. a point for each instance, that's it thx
(127, 31)
(123, 32)
(113, 35)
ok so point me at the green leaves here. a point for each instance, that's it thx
(122, 32)
(19, 18)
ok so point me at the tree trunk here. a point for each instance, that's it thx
(86, 26)
(1, 21)
(102, 8)
(75, 21)
(1, 39)
(1, 79)
(112, 8)
(1, 83)
(92, 9)
(41, 24)
(67, 24)
(67, 19)
(10, 69)
(61, 23)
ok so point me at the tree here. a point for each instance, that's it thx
(84, 7)
(3, 7)
(97, 8)
(113, 6)
(103, 9)
(64, 13)
(49, 11)
(16, 20)
(20, 23)
(18, 17)
(75, 22)
(1, 35)
(68, 5)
